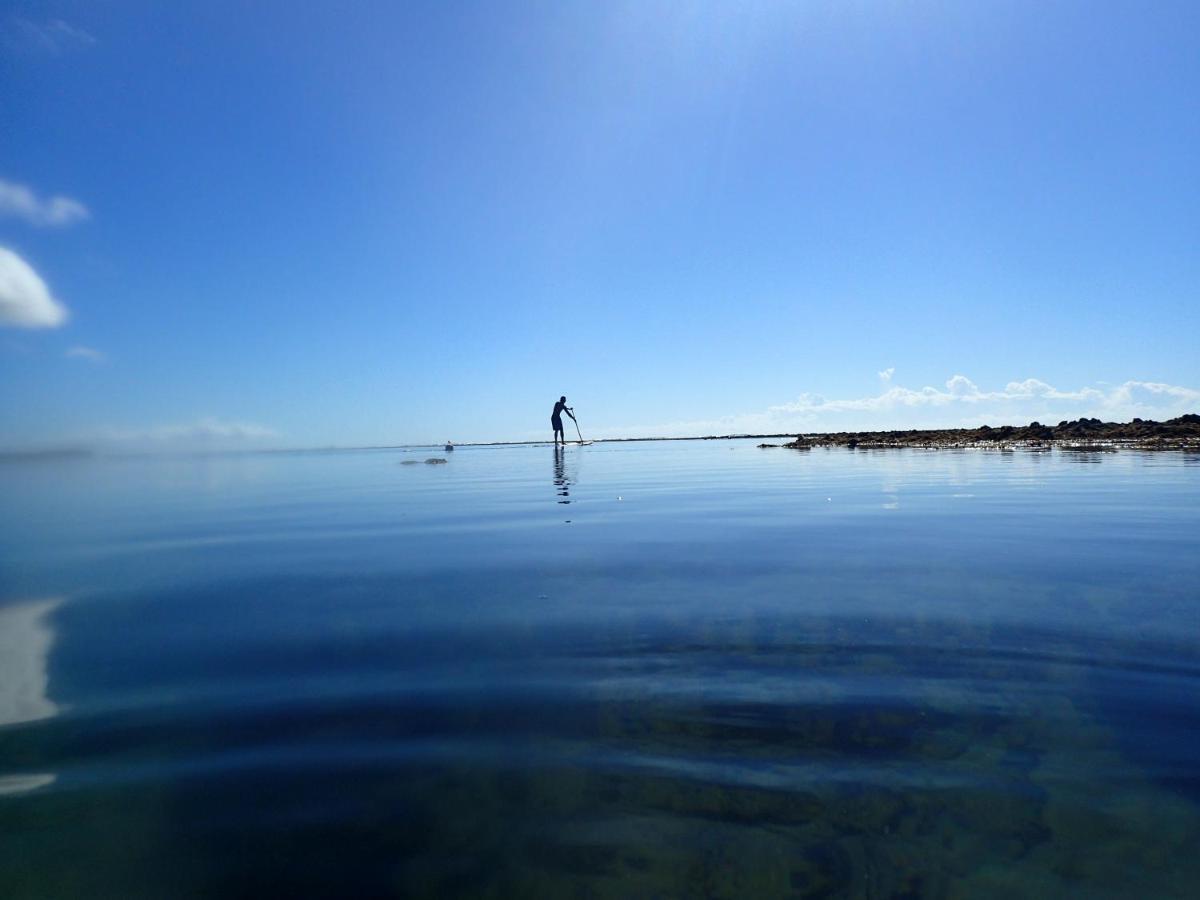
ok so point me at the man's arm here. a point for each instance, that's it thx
(570, 412)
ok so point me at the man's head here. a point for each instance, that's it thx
(562, 399)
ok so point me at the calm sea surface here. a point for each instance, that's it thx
(680, 669)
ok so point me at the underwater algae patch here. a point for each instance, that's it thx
(839, 798)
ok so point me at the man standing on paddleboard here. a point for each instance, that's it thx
(556, 419)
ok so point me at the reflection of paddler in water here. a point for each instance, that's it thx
(556, 419)
(561, 481)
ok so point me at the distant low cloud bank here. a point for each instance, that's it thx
(960, 403)
(205, 434)
(206, 431)
(966, 404)
(21, 202)
(25, 301)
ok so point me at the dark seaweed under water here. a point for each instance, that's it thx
(646, 670)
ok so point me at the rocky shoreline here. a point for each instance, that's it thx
(1182, 433)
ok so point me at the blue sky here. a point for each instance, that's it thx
(280, 224)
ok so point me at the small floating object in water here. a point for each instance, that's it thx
(435, 460)
(449, 445)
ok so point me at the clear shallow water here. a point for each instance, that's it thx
(666, 669)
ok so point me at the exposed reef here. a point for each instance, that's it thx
(1182, 433)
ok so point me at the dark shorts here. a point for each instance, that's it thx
(556, 423)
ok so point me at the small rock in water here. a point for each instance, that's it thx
(434, 460)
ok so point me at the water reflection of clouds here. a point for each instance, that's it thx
(966, 473)
(962, 470)
(206, 473)
(26, 639)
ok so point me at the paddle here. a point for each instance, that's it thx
(576, 421)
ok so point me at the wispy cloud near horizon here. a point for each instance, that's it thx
(52, 37)
(22, 202)
(91, 354)
(960, 403)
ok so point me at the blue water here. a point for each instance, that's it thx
(676, 669)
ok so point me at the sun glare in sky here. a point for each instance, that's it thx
(273, 225)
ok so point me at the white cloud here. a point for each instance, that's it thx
(962, 386)
(21, 202)
(886, 374)
(88, 353)
(960, 403)
(25, 301)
